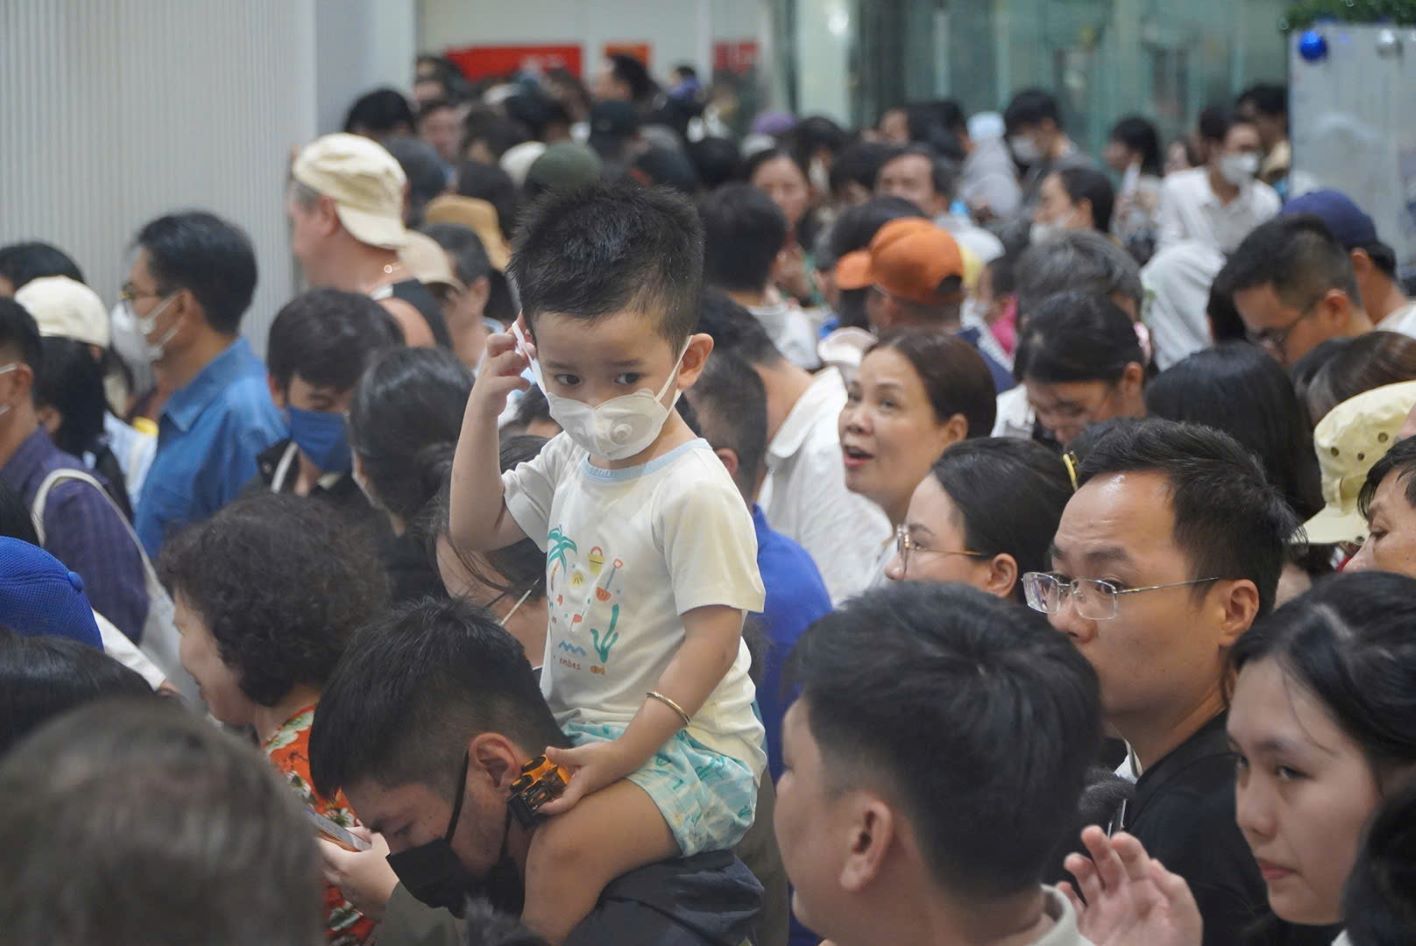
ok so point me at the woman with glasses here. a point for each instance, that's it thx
(1081, 361)
(915, 395)
(984, 516)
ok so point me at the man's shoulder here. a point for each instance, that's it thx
(709, 898)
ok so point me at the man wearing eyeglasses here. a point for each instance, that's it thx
(1294, 287)
(1168, 551)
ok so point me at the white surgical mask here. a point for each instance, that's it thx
(615, 429)
(1041, 232)
(147, 324)
(1238, 169)
(1025, 149)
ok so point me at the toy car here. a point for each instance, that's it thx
(541, 781)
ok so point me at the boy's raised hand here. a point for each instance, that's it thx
(500, 375)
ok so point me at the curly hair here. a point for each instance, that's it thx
(282, 583)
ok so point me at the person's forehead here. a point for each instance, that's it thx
(623, 335)
(1261, 303)
(887, 367)
(1128, 512)
(909, 165)
(138, 273)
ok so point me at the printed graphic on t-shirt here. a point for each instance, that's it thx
(586, 601)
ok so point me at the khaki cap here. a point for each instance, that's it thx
(477, 215)
(365, 183)
(1349, 441)
(64, 308)
(427, 261)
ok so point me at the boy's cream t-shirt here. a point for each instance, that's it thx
(628, 552)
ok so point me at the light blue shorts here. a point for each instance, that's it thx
(707, 798)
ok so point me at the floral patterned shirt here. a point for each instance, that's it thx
(289, 751)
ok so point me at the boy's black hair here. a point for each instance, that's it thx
(731, 404)
(602, 249)
(734, 330)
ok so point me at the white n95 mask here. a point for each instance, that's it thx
(615, 429)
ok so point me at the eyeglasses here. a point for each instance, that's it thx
(1274, 339)
(905, 546)
(1094, 599)
(131, 293)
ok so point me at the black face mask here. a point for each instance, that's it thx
(434, 874)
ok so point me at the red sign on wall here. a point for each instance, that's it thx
(739, 56)
(489, 62)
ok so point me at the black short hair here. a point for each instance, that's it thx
(1379, 905)
(1215, 123)
(22, 262)
(71, 382)
(735, 330)
(860, 164)
(1077, 336)
(731, 403)
(1031, 107)
(814, 133)
(1401, 460)
(743, 231)
(716, 160)
(1224, 321)
(1230, 522)
(629, 70)
(605, 248)
(1138, 134)
(189, 836)
(42, 678)
(468, 253)
(856, 226)
(490, 183)
(379, 113)
(426, 173)
(1010, 494)
(943, 173)
(499, 133)
(413, 687)
(1076, 261)
(1298, 256)
(1237, 388)
(1368, 361)
(1003, 720)
(953, 373)
(207, 256)
(1091, 185)
(1348, 642)
(328, 337)
(19, 335)
(1268, 98)
(281, 582)
(404, 423)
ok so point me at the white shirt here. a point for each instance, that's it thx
(117, 646)
(1177, 286)
(1014, 417)
(1190, 210)
(805, 496)
(627, 553)
(791, 331)
(1402, 320)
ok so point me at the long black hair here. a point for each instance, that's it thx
(1239, 389)
(404, 423)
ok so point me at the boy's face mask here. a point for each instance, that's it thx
(615, 429)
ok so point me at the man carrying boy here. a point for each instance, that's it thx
(651, 558)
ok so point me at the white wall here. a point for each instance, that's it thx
(673, 28)
(114, 112)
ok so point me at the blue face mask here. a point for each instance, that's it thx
(323, 437)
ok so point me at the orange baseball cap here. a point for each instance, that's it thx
(908, 258)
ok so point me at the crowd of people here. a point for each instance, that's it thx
(640, 533)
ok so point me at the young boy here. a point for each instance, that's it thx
(651, 555)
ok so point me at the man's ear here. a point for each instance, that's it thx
(730, 460)
(695, 358)
(872, 832)
(326, 216)
(494, 758)
(1238, 604)
(1132, 377)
